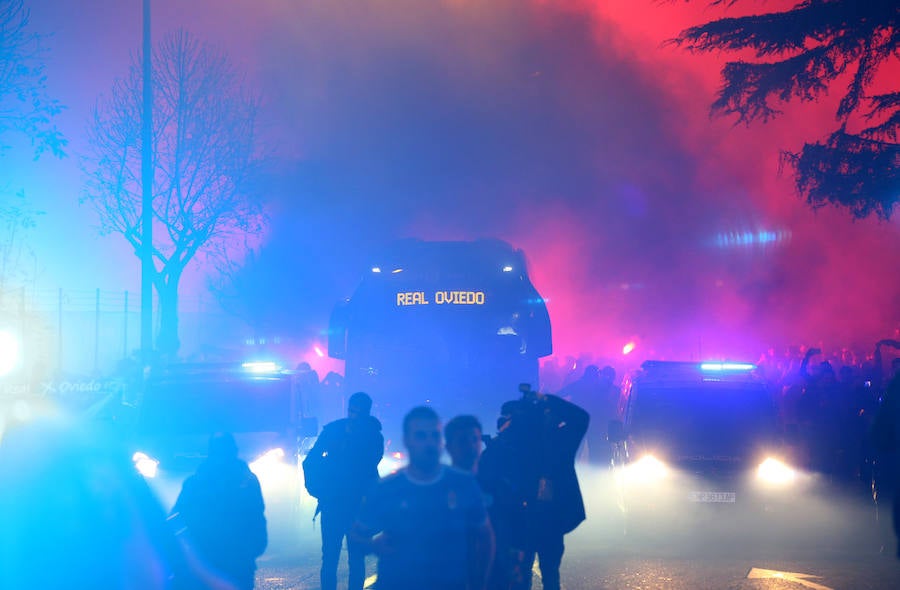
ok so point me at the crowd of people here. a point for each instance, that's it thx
(478, 523)
(84, 517)
(826, 401)
(81, 516)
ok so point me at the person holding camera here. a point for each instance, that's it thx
(529, 470)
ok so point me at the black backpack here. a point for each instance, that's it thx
(318, 476)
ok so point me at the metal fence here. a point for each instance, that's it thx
(88, 332)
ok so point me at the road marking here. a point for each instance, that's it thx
(370, 581)
(802, 579)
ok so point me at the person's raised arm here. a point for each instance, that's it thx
(570, 417)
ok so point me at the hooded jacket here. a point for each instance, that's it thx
(222, 511)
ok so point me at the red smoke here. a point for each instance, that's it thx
(834, 283)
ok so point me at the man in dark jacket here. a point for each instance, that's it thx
(339, 470)
(222, 513)
(529, 470)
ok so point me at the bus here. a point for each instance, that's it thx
(455, 324)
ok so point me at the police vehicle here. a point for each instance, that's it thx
(183, 404)
(693, 435)
(456, 324)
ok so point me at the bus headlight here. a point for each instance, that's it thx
(775, 472)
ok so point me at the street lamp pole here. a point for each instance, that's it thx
(147, 267)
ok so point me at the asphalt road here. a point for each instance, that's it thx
(603, 568)
(819, 540)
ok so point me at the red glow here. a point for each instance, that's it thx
(832, 282)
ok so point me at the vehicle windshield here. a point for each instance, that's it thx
(202, 407)
(711, 418)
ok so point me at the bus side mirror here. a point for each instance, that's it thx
(615, 432)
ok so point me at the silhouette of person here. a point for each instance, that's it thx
(585, 386)
(596, 392)
(531, 474)
(464, 442)
(307, 380)
(499, 473)
(347, 453)
(76, 513)
(221, 515)
(879, 375)
(331, 397)
(427, 522)
(820, 414)
(886, 437)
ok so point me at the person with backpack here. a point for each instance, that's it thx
(338, 471)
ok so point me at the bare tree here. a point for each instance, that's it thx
(204, 157)
(801, 53)
(25, 106)
(18, 217)
(26, 110)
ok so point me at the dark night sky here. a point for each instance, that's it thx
(563, 127)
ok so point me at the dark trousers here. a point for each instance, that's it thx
(549, 552)
(895, 517)
(336, 524)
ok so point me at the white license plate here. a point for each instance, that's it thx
(724, 497)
